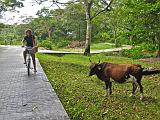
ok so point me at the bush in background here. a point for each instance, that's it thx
(10, 42)
(62, 43)
(142, 51)
(46, 44)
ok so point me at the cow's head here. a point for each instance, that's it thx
(94, 68)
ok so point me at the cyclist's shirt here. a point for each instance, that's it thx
(29, 40)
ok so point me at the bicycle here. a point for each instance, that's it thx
(28, 56)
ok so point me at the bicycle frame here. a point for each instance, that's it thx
(29, 54)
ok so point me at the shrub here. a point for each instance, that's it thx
(101, 37)
(46, 44)
(62, 43)
(148, 47)
(139, 52)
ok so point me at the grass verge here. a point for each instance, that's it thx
(101, 46)
(82, 96)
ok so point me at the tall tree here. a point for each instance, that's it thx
(88, 8)
(103, 6)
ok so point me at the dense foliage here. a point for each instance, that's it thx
(127, 22)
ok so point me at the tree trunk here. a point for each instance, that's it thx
(115, 38)
(131, 37)
(79, 32)
(158, 53)
(88, 6)
(88, 37)
(158, 42)
(49, 35)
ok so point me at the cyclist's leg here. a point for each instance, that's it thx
(34, 62)
(25, 55)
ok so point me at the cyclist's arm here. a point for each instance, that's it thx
(34, 42)
(23, 42)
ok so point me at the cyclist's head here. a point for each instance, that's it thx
(28, 32)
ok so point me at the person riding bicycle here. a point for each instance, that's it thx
(29, 41)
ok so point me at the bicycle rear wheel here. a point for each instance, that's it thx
(28, 67)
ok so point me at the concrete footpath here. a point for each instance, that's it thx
(125, 47)
(23, 97)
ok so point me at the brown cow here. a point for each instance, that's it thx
(119, 73)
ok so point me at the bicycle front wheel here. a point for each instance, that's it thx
(28, 67)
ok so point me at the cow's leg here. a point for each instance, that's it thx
(134, 84)
(110, 88)
(141, 89)
(107, 85)
(134, 88)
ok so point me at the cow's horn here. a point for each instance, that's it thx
(90, 60)
(99, 60)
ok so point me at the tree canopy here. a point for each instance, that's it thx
(123, 22)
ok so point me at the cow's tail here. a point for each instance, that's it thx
(150, 72)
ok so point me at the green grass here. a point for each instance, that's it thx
(101, 46)
(82, 96)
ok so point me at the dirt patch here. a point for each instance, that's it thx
(76, 44)
(150, 60)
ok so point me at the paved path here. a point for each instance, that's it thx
(92, 52)
(23, 97)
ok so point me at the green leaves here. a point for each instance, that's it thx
(13, 3)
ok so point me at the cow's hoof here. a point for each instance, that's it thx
(141, 98)
(105, 95)
(131, 95)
